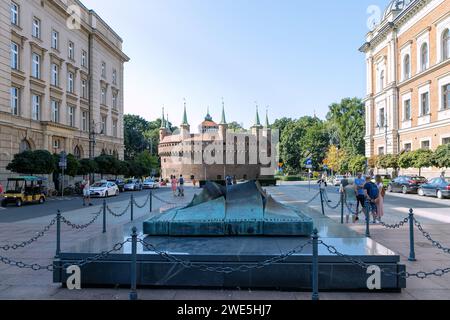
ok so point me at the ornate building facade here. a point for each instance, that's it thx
(216, 152)
(408, 78)
(61, 80)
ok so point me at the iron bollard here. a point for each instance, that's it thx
(132, 207)
(151, 201)
(321, 201)
(133, 271)
(367, 209)
(342, 207)
(315, 266)
(104, 215)
(58, 234)
(412, 253)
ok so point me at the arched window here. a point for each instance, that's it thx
(381, 85)
(77, 152)
(446, 45)
(24, 146)
(406, 67)
(424, 57)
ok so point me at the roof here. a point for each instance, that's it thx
(208, 123)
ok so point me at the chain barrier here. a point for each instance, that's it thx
(314, 198)
(224, 270)
(144, 205)
(167, 202)
(426, 235)
(396, 225)
(118, 215)
(358, 262)
(327, 202)
(32, 240)
(83, 226)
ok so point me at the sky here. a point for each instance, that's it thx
(291, 57)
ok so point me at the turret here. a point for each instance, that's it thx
(223, 125)
(162, 130)
(185, 128)
(257, 126)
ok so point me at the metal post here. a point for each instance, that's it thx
(342, 207)
(104, 215)
(151, 201)
(321, 201)
(367, 209)
(132, 207)
(58, 234)
(315, 266)
(412, 253)
(133, 271)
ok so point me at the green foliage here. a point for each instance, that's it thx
(236, 127)
(107, 164)
(32, 162)
(406, 160)
(148, 162)
(441, 157)
(136, 169)
(357, 163)
(72, 165)
(417, 159)
(347, 120)
(87, 166)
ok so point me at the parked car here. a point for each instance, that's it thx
(406, 184)
(120, 184)
(150, 184)
(337, 180)
(437, 187)
(133, 185)
(22, 190)
(104, 189)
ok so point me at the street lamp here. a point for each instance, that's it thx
(92, 133)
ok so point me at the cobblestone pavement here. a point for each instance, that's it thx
(27, 284)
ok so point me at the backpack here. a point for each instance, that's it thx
(181, 181)
(372, 190)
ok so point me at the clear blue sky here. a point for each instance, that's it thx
(295, 56)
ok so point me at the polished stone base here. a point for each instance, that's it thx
(335, 274)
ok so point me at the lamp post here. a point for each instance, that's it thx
(92, 142)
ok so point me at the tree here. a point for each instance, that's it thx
(235, 127)
(423, 159)
(348, 118)
(373, 162)
(441, 157)
(406, 160)
(148, 162)
(281, 124)
(108, 165)
(72, 165)
(358, 164)
(32, 162)
(87, 166)
(335, 158)
(135, 169)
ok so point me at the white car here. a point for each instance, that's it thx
(337, 180)
(150, 184)
(104, 189)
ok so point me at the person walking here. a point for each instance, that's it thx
(1, 189)
(181, 186)
(349, 197)
(174, 185)
(86, 193)
(229, 180)
(380, 200)
(360, 196)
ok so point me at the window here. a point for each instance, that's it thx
(425, 144)
(382, 118)
(407, 110)
(424, 104)
(103, 96)
(70, 87)
(24, 146)
(84, 89)
(36, 28)
(408, 147)
(77, 152)
(55, 40)
(446, 97)
(84, 120)
(71, 117)
(55, 111)
(55, 75)
(381, 85)
(14, 14)
(114, 101)
(446, 45)
(446, 140)
(114, 77)
(71, 50)
(114, 124)
(14, 56)
(424, 57)
(103, 125)
(406, 67)
(15, 101)
(84, 59)
(381, 151)
(36, 107)
(103, 70)
(36, 68)
(56, 144)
